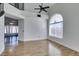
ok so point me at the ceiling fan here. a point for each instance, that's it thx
(42, 8)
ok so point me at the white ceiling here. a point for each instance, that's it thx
(30, 7)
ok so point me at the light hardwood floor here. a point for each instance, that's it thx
(38, 48)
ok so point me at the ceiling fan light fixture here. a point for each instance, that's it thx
(38, 15)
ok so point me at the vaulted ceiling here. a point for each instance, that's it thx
(30, 8)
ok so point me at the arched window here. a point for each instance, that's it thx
(56, 26)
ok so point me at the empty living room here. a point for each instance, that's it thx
(39, 29)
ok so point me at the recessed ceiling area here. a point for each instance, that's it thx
(11, 21)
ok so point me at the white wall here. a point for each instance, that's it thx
(1, 34)
(34, 27)
(70, 13)
(21, 29)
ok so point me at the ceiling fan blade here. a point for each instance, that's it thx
(36, 8)
(46, 7)
(40, 6)
(44, 10)
(40, 11)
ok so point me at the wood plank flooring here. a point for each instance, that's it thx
(38, 48)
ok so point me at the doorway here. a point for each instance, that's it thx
(11, 31)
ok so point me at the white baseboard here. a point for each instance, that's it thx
(33, 39)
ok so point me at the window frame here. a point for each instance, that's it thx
(55, 23)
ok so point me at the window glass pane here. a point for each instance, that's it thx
(56, 18)
(56, 29)
(59, 30)
(11, 29)
(14, 30)
(5, 29)
(52, 30)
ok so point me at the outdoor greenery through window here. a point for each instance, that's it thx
(56, 26)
